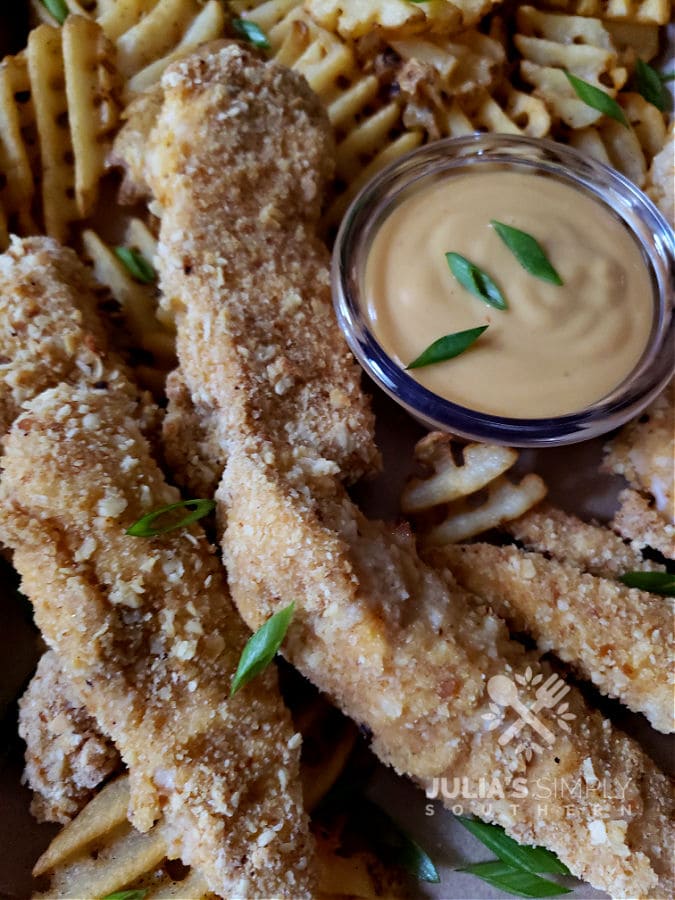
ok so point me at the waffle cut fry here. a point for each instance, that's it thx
(629, 150)
(505, 111)
(551, 45)
(19, 152)
(354, 18)
(58, 110)
(450, 497)
(147, 34)
(148, 330)
(655, 12)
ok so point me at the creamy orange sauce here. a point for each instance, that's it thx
(557, 349)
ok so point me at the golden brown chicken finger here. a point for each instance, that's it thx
(644, 453)
(618, 637)
(593, 548)
(146, 633)
(400, 647)
(50, 329)
(638, 521)
(67, 756)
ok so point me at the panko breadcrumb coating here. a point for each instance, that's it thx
(644, 453)
(592, 548)
(67, 757)
(619, 638)
(50, 330)
(401, 648)
(49, 326)
(145, 630)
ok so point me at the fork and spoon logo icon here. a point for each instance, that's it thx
(505, 693)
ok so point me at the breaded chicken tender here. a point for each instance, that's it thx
(644, 453)
(619, 638)
(146, 633)
(67, 757)
(49, 326)
(237, 160)
(592, 548)
(50, 329)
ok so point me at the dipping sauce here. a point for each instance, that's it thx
(556, 349)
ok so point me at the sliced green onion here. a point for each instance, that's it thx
(57, 9)
(650, 85)
(127, 895)
(394, 845)
(447, 347)
(475, 280)
(261, 648)
(528, 251)
(657, 582)
(144, 526)
(515, 881)
(530, 859)
(137, 265)
(597, 99)
(251, 32)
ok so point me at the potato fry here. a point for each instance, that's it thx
(482, 463)
(154, 35)
(138, 301)
(656, 12)
(207, 25)
(453, 489)
(119, 16)
(633, 41)
(454, 66)
(552, 44)
(93, 110)
(505, 501)
(19, 154)
(103, 813)
(354, 18)
(48, 82)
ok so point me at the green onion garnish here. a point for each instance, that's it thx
(251, 32)
(447, 347)
(261, 648)
(597, 99)
(144, 527)
(528, 251)
(136, 264)
(475, 280)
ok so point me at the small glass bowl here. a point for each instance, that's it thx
(484, 152)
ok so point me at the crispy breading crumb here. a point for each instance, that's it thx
(644, 453)
(50, 330)
(593, 548)
(67, 757)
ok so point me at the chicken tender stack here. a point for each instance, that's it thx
(150, 641)
(401, 648)
(145, 637)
